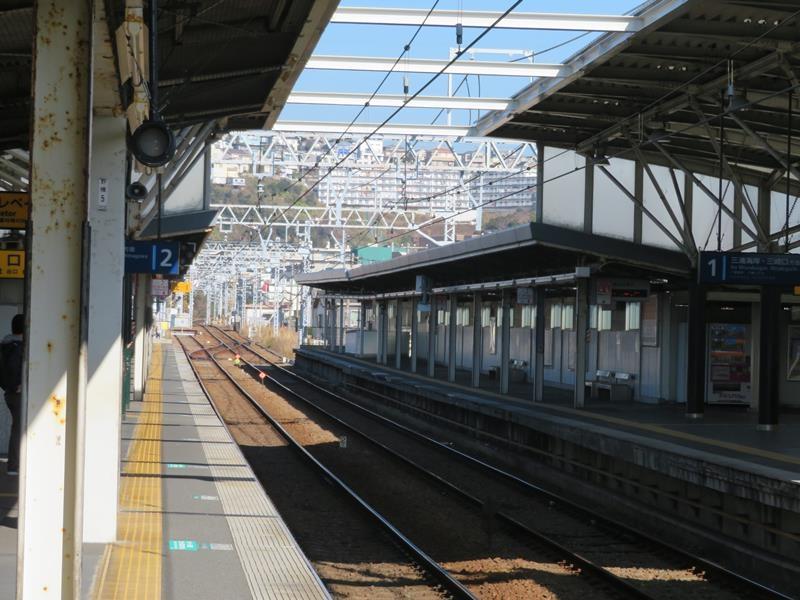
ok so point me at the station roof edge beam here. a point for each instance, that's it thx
(536, 248)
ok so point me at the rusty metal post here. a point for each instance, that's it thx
(50, 537)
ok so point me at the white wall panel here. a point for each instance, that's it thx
(612, 210)
(563, 188)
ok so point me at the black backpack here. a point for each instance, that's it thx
(11, 365)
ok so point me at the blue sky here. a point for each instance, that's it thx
(436, 42)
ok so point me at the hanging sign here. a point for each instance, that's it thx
(14, 209)
(160, 257)
(748, 268)
(12, 264)
(525, 296)
(160, 288)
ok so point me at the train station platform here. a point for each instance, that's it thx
(725, 433)
(718, 474)
(193, 519)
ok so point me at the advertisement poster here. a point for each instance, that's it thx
(729, 376)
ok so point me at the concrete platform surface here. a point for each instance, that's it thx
(194, 522)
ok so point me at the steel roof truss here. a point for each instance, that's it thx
(688, 240)
(645, 210)
(737, 182)
(708, 192)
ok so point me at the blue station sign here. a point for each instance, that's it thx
(749, 268)
(162, 257)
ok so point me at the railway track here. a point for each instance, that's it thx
(418, 507)
(249, 422)
(667, 572)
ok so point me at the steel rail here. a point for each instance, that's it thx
(606, 523)
(433, 568)
(584, 564)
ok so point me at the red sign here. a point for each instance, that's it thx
(262, 375)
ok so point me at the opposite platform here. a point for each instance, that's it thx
(652, 468)
(194, 520)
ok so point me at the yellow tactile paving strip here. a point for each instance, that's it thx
(132, 566)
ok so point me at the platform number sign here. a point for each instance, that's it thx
(152, 257)
(749, 268)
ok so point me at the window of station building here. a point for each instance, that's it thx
(603, 319)
(404, 314)
(633, 315)
(555, 315)
(353, 317)
(464, 315)
(518, 312)
(599, 318)
(527, 317)
(486, 314)
(567, 317)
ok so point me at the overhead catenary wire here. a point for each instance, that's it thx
(726, 61)
(366, 105)
(621, 153)
(404, 104)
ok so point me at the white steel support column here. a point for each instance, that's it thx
(385, 334)
(432, 339)
(340, 321)
(538, 339)
(477, 338)
(326, 323)
(505, 342)
(104, 387)
(398, 330)
(334, 325)
(142, 288)
(581, 330)
(414, 333)
(378, 312)
(50, 489)
(362, 318)
(451, 339)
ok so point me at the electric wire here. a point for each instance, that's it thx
(622, 152)
(710, 68)
(406, 101)
(404, 53)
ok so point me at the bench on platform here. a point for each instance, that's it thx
(619, 385)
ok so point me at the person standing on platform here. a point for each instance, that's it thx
(11, 357)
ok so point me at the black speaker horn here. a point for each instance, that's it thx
(136, 191)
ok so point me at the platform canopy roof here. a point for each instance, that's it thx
(233, 62)
(659, 91)
(526, 251)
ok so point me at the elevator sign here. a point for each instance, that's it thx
(152, 257)
(748, 268)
